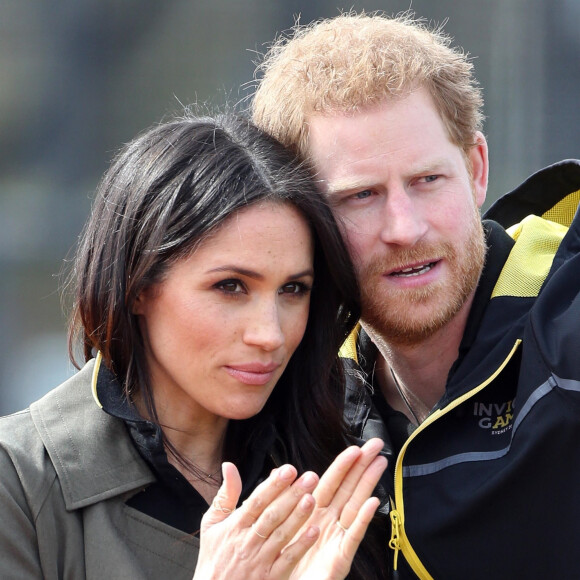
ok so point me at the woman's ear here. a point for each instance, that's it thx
(139, 305)
(479, 161)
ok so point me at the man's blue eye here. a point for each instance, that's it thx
(363, 194)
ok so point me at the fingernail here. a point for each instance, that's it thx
(306, 502)
(286, 472)
(309, 479)
(311, 532)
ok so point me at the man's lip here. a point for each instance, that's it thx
(413, 266)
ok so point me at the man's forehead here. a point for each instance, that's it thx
(406, 132)
(327, 134)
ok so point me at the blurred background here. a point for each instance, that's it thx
(81, 77)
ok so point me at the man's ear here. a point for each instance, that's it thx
(479, 161)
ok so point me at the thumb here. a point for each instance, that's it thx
(226, 498)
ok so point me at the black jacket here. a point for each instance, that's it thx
(488, 486)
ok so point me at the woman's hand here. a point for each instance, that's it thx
(343, 512)
(266, 536)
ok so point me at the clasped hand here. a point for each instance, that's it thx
(289, 527)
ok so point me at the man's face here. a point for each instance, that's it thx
(409, 209)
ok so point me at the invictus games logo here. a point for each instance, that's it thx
(497, 417)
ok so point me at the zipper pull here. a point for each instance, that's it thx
(395, 542)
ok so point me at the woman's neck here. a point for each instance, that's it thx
(198, 455)
(194, 446)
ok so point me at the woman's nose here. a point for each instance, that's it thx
(264, 329)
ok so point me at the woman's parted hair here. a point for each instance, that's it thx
(165, 192)
(352, 61)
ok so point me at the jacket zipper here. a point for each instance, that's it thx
(399, 541)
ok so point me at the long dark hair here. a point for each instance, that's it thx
(164, 193)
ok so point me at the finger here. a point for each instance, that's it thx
(266, 493)
(354, 535)
(226, 498)
(365, 487)
(335, 474)
(341, 484)
(369, 452)
(282, 519)
(292, 554)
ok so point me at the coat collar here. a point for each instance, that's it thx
(91, 451)
(552, 193)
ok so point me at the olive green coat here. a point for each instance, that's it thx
(66, 471)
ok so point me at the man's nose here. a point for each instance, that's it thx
(403, 224)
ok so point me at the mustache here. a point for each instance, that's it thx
(399, 258)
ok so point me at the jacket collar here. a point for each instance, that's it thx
(499, 245)
(359, 409)
(552, 192)
(543, 241)
(91, 451)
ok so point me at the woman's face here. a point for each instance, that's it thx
(221, 326)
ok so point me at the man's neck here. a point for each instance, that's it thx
(413, 377)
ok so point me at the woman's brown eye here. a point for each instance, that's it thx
(229, 286)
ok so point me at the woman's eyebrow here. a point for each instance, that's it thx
(257, 275)
(237, 270)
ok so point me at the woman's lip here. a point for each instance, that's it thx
(253, 373)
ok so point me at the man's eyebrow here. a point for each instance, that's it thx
(429, 167)
(342, 185)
